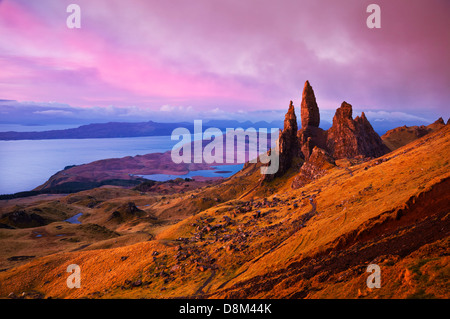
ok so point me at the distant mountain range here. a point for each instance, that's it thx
(150, 128)
(125, 129)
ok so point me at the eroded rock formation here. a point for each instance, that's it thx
(350, 137)
(347, 138)
(288, 145)
(310, 134)
(288, 142)
(315, 167)
(309, 110)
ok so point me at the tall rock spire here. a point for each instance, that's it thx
(310, 134)
(347, 138)
(309, 110)
(290, 119)
(288, 145)
(288, 142)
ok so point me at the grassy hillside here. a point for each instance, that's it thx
(403, 135)
(244, 239)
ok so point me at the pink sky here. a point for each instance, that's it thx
(227, 55)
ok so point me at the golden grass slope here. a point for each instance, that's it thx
(313, 242)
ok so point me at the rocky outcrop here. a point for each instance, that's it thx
(403, 135)
(125, 212)
(288, 142)
(22, 219)
(439, 121)
(310, 134)
(288, 145)
(350, 137)
(347, 138)
(309, 137)
(315, 167)
(309, 110)
(369, 142)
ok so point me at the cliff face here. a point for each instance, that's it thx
(315, 167)
(369, 142)
(350, 137)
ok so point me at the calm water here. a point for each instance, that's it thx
(74, 219)
(218, 171)
(27, 164)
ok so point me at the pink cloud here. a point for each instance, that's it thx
(238, 54)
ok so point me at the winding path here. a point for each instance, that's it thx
(207, 281)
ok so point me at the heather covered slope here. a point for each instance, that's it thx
(269, 240)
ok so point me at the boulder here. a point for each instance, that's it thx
(315, 167)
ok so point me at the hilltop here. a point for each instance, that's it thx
(403, 135)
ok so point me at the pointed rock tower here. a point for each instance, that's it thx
(288, 146)
(310, 115)
(310, 135)
(288, 143)
(347, 137)
(288, 137)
